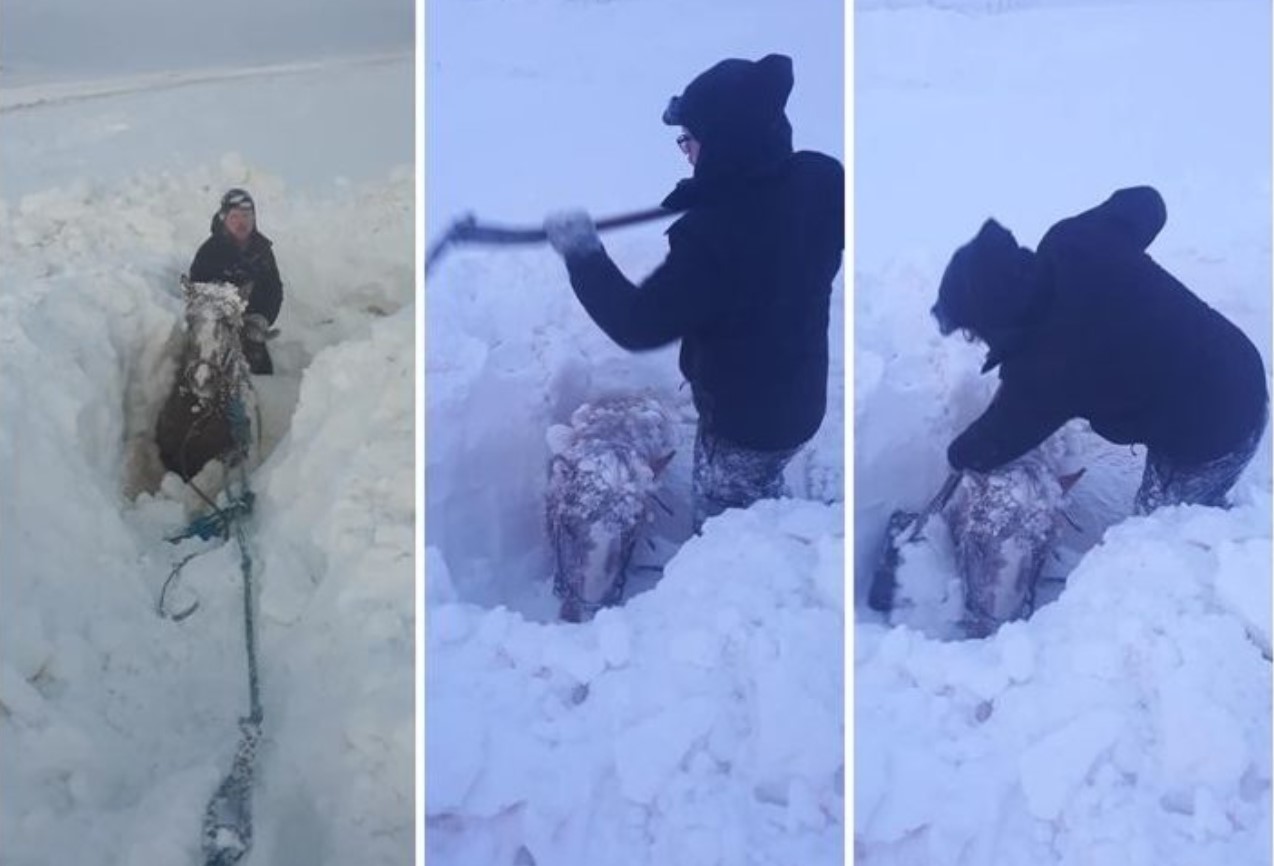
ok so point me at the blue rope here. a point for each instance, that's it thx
(227, 820)
(227, 823)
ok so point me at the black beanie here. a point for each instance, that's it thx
(733, 96)
(236, 198)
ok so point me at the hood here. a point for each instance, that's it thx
(992, 289)
(736, 112)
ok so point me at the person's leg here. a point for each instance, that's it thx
(1153, 491)
(731, 476)
(258, 357)
(1166, 483)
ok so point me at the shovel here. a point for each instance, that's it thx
(885, 576)
(467, 229)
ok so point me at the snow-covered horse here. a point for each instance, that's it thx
(979, 567)
(602, 480)
(206, 414)
(1004, 524)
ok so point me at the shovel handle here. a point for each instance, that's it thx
(469, 229)
(936, 504)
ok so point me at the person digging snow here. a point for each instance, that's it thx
(745, 285)
(238, 253)
(1090, 326)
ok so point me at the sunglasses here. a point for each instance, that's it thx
(683, 142)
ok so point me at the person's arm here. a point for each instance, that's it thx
(668, 304)
(1015, 422)
(203, 269)
(267, 289)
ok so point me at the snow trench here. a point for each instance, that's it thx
(116, 724)
(701, 720)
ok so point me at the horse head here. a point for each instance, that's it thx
(213, 364)
(603, 474)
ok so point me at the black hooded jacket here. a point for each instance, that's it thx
(747, 279)
(220, 259)
(1091, 327)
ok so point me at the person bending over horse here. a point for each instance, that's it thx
(746, 283)
(238, 253)
(1090, 326)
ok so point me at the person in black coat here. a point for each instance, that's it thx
(1090, 326)
(746, 283)
(238, 253)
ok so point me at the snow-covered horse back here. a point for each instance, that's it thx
(206, 406)
(603, 475)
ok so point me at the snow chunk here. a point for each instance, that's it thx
(1053, 768)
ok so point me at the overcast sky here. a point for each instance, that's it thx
(76, 37)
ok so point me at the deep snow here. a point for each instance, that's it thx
(1128, 721)
(116, 725)
(702, 721)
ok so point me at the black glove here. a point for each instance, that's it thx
(255, 328)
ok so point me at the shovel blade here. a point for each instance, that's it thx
(885, 575)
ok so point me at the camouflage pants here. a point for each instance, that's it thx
(1167, 483)
(731, 476)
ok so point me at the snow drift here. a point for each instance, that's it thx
(116, 723)
(1129, 720)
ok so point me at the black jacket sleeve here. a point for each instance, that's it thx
(267, 288)
(670, 303)
(205, 268)
(1014, 423)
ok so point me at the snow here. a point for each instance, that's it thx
(116, 725)
(659, 726)
(702, 721)
(1128, 721)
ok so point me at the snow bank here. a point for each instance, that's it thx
(1128, 722)
(336, 542)
(509, 351)
(116, 723)
(698, 723)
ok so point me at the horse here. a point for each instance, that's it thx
(205, 417)
(603, 477)
(1004, 524)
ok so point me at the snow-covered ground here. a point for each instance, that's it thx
(115, 724)
(1128, 721)
(702, 721)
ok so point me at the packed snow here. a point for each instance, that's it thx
(700, 722)
(116, 725)
(1128, 721)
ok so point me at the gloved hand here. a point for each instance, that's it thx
(572, 233)
(255, 328)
